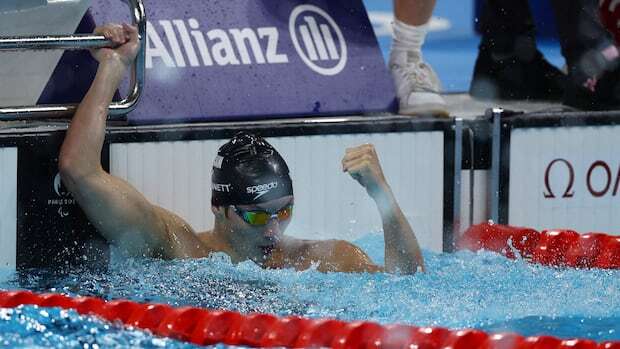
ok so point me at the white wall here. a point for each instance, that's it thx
(8, 207)
(329, 204)
(481, 198)
(531, 152)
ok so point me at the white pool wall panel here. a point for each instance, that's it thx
(328, 203)
(8, 207)
(531, 152)
(480, 195)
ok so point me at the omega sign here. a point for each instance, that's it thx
(317, 38)
(599, 180)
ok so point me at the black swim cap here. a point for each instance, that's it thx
(247, 170)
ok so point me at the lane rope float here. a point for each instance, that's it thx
(207, 327)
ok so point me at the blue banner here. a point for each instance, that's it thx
(239, 60)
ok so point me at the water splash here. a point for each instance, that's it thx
(464, 289)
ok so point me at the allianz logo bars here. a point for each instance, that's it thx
(319, 43)
(312, 30)
(213, 60)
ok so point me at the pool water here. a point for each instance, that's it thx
(35, 327)
(461, 290)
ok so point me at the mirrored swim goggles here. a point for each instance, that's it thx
(262, 217)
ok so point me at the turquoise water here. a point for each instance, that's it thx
(481, 290)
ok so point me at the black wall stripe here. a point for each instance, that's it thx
(52, 231)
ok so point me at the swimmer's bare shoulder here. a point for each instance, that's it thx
(180, 239)
(328, 255)
(212, 243)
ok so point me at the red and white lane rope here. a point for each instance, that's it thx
(205, 327)
(565, 248)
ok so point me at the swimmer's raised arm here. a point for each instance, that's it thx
(402, 251)
(120, 213)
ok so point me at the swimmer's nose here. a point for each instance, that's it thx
(273, 228)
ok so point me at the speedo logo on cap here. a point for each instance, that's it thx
(261, 189)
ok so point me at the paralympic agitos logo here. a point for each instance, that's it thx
(562, 179)
(63, 198)
(316, 37)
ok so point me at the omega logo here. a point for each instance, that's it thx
(598, 179)
(568, 192)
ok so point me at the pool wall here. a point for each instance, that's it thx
(171, 165)
(8, 223)
(328, 202)
(558, 170)
(526, 182)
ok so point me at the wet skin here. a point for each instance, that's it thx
(240, 240)
(270, 248)
(128, 219)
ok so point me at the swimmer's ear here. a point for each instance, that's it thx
(220, 211)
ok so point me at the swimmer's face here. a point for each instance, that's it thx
(263, 238)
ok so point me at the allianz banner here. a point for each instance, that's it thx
(239, 59)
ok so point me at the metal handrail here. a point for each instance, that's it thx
(117, 110)
(71, 42)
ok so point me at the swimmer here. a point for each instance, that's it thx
(252, 194)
